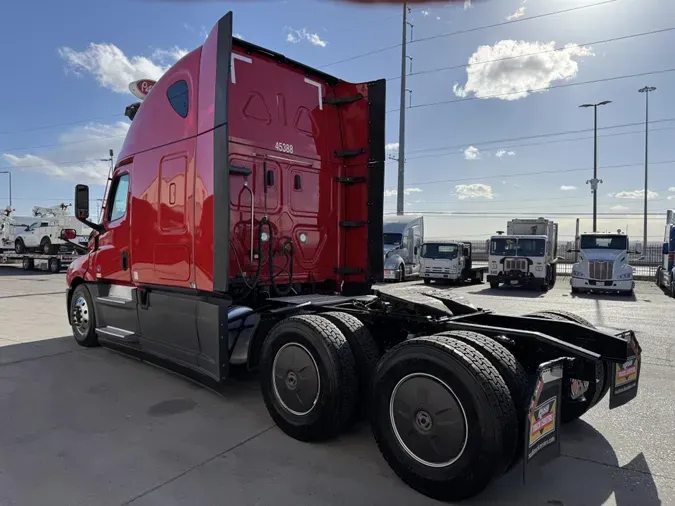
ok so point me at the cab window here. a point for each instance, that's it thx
(118, 198)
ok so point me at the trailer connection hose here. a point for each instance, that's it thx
(289, 260)
(250, 287)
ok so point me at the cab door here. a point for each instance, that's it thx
(116, 300)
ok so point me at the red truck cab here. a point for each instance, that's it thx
(244, 175)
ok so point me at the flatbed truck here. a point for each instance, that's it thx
(243, 228)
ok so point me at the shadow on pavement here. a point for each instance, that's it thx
(21, 352)
(507, 291)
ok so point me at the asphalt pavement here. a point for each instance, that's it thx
(91, 427)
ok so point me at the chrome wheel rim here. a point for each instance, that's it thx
(428, 420)
(296, 382)
(80, 315)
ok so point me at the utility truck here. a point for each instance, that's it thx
(449, 261)
(53, 260)
(526, 255)
(665, 274)
(602, 264)
(45, 233)
(402, 239)
(244, 228)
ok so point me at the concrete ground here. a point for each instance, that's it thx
(90, 427)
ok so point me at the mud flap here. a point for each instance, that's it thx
(542, 424)
(626, 376)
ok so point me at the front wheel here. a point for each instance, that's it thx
(83, 317)
(494, 284)
(19, 246)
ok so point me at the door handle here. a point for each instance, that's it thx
(125, 260)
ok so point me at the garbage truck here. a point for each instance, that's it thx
(244, 229)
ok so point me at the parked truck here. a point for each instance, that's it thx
(665, 274)
(603, 264)
(526, 255)
(449, 261)
(244, 228)
(59, 253)
(402, 244)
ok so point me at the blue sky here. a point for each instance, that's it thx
(76, 69)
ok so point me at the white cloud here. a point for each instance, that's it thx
(671, 189)
(425, 13)
(470, 191)
(636, 194)
(500, 153)
(438, 18)
(391, 147)
(520, 12)
(567, 188)
(618, 208)
(113, 69)
(467, 4)
(406, 191)
(671, 197)
(238, 35)
(295, 36)
(471, 153)
(78, 157)
(517, 68)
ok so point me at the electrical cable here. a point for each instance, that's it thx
(469, 30)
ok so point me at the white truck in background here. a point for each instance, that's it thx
(45, 233)
(526, 255)
(665, 274)
(402, 239)
(46, 242)
(449, 261)
(602, 264)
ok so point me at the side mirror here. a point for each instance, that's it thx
(465, 252)
(82, 207)
(415, 250)
(82, 202)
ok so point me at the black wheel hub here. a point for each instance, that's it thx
(295, 379)
(428, 420)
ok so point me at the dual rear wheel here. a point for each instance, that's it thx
(443, 409)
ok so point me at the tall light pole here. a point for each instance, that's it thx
(10, 185)
(594, 182)
(401, 125)
(646, 91)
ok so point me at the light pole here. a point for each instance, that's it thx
(10, 185)
(594, 182)
(646, 91)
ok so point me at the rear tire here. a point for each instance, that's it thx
(514, 376)
(308, 377)
(27, 264)
(366, 354)
(441, 416)
(573, 409)
(83, 317)
(19, 246)
(494, 285)
(427, 281)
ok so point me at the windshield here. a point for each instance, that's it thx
(615, 242)
(393, 239)
(439, 251)
(518, 247)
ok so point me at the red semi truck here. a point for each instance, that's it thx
(243, 228)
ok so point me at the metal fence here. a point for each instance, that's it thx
(644, 264)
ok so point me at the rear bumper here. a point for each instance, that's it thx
(515, 280)
(623, 285)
